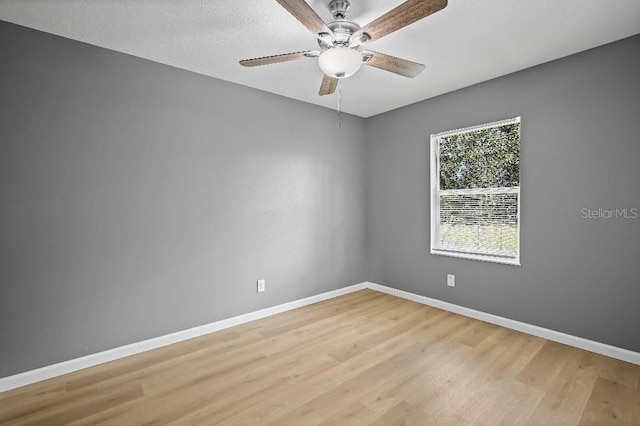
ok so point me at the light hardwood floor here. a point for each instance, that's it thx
(363, 358)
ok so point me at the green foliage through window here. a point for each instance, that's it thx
(487, 158)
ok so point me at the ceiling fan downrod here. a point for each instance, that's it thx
(339, 9)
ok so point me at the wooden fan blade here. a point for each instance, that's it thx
(407, 13)
(395, 65)
(266, 60)
(328, 86)
(307, 16)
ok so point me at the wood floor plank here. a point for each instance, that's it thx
(396, 368)
(621, 372)
(362, 358)
(276, 406)
(511, 403)
(408, 320)
(499, 356)
(360, 300)
(546, 365)
(380, 402)
(232, 391)
(455, 383)
(367, 386)
(301, 416)
(392, 327)
(62, 414)
(568, 393)
(521, 350)
(402, 414)
(355, 414)
(427, 383)
(416, 381)
(220, 412)
(30, 398)
(217, 354)
(108, 371)
(239, 400)
(324, 332)
(479, 332)
(610, 403)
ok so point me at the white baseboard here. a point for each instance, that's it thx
(55, 370)
(545, 333)
(65, 367)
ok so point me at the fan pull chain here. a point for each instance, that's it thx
(340, 103)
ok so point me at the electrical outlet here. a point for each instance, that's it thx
(451, 280)
(261, 286)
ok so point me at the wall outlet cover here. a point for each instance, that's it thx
(451, 280)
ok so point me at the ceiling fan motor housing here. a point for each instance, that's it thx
(342, 29)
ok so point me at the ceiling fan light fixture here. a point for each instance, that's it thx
(340, 62)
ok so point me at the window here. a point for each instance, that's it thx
(475, 192)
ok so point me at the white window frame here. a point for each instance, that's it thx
(436, 193)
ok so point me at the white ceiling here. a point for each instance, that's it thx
(467, 42)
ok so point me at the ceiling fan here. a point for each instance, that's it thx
(341, 41)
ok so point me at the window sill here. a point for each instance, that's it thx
(485, 258)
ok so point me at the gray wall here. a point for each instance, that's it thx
(580, 149)
(137, 199)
